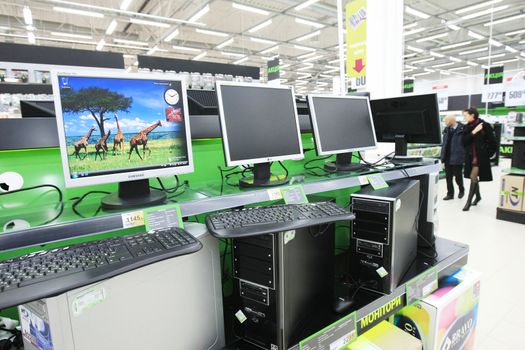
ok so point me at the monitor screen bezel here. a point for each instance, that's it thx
(317, 137)
(130, 175)
(224, 131)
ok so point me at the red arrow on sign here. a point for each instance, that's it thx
(359, 66)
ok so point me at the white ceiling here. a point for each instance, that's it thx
(284, 30)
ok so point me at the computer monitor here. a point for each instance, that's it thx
(259, 125)
(37, 109)
(407, 119)
(341, 125)
(120, 127)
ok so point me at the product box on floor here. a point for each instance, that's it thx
(385, 336)
(511, 192)
(447, 319)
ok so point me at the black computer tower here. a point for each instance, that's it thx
(384, 238)
(280, 280)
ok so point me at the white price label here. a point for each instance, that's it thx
(515, 95)
(492, 93)
(443, 102)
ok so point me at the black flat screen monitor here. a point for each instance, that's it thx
(37, 109)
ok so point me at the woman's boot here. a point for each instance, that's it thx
(478, 195)
(471, 192)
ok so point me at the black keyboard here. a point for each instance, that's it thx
(275, 218)
(51, 272)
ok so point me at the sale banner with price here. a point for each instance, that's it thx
(492, 93)
(356, 40)
(515, 94)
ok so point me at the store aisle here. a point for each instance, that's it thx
(496, 249)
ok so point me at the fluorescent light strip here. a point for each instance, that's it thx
(473, 51)
(306, 55)
(305, 5)
(70, 35)
(414, 31)
(475, 35)
(485, 12)
(283, 80)
(327, 76)
(78, 12)
(263, 41)
(444, 72)
(285, 65)
(416, 49)
(332, 70)
(128, 46)
(454, 59)
(155, 49)
(148, 23)
(171, 36)
(308, 36)
(226, 43)
(510, 49)
(232, 54)
(199, 14)
(503, 20)
(453, 27)
(435, 54)
(444, 65)
(334, 61)
(416, 13)
(429, 70)
(111, 28)
(249, 9)
(473, 64)
(495, 43)
(211, 32)
(490, 57)
(446, 47)
(199, 56)
(28, 16)
(459, 68)
(260, 26)
(184, 48)
(433, 37)
(125, 4)
(270, 49)
(408, 70)
(478, 6)
(418, 74)
(130, 42)
(411, 25)
(505, 61)
(304, 48)
(423, 60)
(305, 68)
(410, 55)
(100, 44)
(315, 58)
(31, 37)
(409, 66)
(331, 67)
(515, 32)
(309, 23)
(129, 56)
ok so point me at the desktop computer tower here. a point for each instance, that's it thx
(280, 279)
(384, 239)
(174, 304)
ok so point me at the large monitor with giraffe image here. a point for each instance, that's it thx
(122, 127)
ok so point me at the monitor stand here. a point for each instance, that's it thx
(343, 163)
(132, 194)
(262, 177)
(400, 155)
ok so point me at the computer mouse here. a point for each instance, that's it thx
(342, 304)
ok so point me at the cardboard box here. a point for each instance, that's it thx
(511, 192)
(447, 319)
(385, 336)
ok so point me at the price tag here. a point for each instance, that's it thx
(275, 194)
(294, 194)
(334, 337)
(515, 95)
(421, 286)
(163, 217)
(492, 93)
(363, 180)
(443, 102)
(377, 181)
(133, 219)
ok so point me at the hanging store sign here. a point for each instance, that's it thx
(356, 42)
(495, 76)
(515, 94)
(273, 69)
(408, 85)
(492, 93)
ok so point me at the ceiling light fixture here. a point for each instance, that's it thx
(433, 37)
(444, 72)
(71, 35)
(477, 6)
(410, 55)
(411, 25)
(199, 56)
(211, 32)
(171, 36)
(515, 32)
(409, 66)
(510, 49)
(419, 74)
(263, 41)
(414, 31)
(308, 36)
(100, 44)
(304, 48)
(503, 20)
(31, 37)
(423, 60)
(416, 49)
(78, 12)
(130, 42)
(226, 43)
(111, 28)
(185, 48)
(453, 27)
(270, 49)
(249, 9)
(485, 12)
(305, 5)
(309, 23)
(495, 43)
(199, 14)
(446, 47)
(314, 58)
(475, 35)
(454, 59)
(473, 51)
(306, 55)
(459, 68)
(416, 13)
(505, 61)
(232, 54)
(260, 26)
(490, 57)
(125, 4)
(474, 64)
(435, 54)
(148, 23)
(28, 16)
(444, 65)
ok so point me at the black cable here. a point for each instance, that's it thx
(168, 190)
(60, 199)
(285, 169)
(310, 169)
(78, 200)
(416, 226)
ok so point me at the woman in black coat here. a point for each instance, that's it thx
(480, 144)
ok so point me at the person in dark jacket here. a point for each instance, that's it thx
(453, 156)
(480, 144)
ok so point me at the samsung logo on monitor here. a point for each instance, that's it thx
(134, 176)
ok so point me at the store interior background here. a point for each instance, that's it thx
(443, 46)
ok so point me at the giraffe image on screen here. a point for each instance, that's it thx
(134, 112)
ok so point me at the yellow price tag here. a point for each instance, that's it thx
(133, 219)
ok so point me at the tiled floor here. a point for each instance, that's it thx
(496, 249)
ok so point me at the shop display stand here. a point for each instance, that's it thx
(511, 215)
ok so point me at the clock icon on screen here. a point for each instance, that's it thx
(171, 96)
